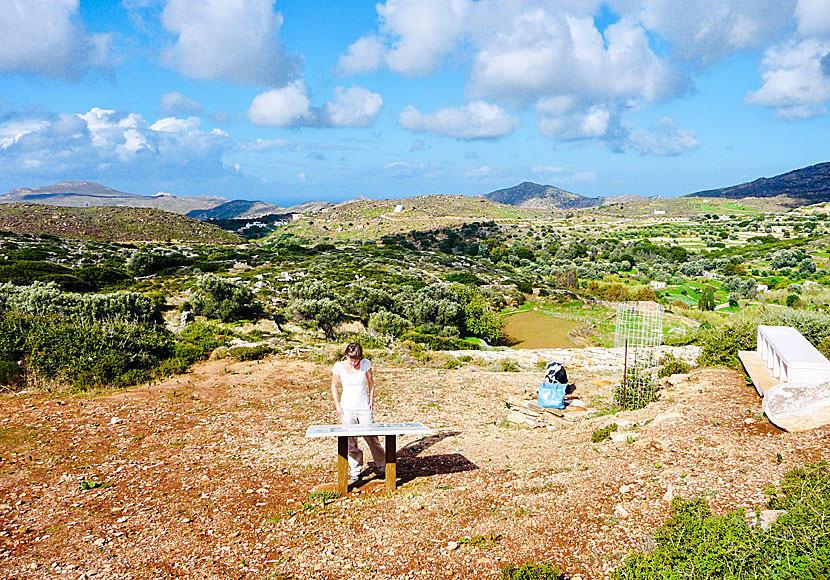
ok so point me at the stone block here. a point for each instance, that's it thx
(798, 406)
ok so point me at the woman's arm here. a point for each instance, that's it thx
(370, 387)
(334, 395)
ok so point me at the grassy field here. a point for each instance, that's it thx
(537, 329)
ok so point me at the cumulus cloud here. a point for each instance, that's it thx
(795, 79)
(177, 104)
(291, 107)
(476, 120)
(107, 142)
(664, 138)
(48, 38)
(415, 35)
(813, 17)
(704, 31)
(231, 40)
(404, 169)
(365, 55)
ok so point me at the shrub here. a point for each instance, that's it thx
(531, 571)
(508, 366)
(245, 353)
(95, 355)
(384, 322)
(324, 314)
(438, 342)
(671, 365)
(10, 372)
(695, 545)
(452, 364)
(223, 299)
(601, 435)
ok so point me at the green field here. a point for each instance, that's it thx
(536, 329)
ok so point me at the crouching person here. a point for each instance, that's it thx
(356, 404)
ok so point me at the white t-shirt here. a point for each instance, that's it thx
(354, 397)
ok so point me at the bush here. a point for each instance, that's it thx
(531, 571)
(95, 355)
(223, 299)
(452, 364)
(695, 545)
(10, 372)
(245, 353)
(671, 365)
(438, 342)
(508, 366)
(384, 322)
(601, 435)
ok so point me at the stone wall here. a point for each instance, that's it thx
(595, 359)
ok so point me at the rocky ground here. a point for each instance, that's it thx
(208, 475)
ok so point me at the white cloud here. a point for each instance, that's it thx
(280, 107)
(796, 79)
(414, 36)
(404, 169)
(177, 104)
(232, 40)
(353, 107)
(363, 56)
(479, 172)
(705, 31)
(546, 55)
(813, 17)
(48, 38)
(109, 143)
(476, 120)
(663, 138)
(290, 106)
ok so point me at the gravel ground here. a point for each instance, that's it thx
(208, 475)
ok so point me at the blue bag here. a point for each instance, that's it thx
(552, 394)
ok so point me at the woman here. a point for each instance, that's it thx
(356, 405)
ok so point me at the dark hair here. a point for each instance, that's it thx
(354, 350)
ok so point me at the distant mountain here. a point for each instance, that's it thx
(242, 209)
(237, 209)
(800, 187)
(89, 194)
(533, 195)
(110, 224)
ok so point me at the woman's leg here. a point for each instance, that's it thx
(374, 443)
(355, 455)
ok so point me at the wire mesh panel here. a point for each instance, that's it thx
(639, 330)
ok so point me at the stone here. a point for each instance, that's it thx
(765, 518)
(669, 495)
(798, 406)
(620, 512)
(116, 421)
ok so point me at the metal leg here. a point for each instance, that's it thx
(391, 463)
(342, 466)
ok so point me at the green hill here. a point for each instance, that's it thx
(110, 224)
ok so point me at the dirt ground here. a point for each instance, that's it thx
(208, 475)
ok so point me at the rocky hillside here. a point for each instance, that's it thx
(237, 209)
(89, 194)
(109, 224)
(804, 186)
(533, 195)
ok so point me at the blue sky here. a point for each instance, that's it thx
(291, 101)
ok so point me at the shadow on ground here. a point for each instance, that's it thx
(412, 465)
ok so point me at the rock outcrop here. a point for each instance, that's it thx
(798, 406)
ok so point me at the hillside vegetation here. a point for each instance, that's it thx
(109, 224)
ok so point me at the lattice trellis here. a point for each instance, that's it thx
(639, 330)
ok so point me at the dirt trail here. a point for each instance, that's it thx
(206, 476)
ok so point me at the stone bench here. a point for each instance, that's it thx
(388, 430)
(783, 356)
(789, 356)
